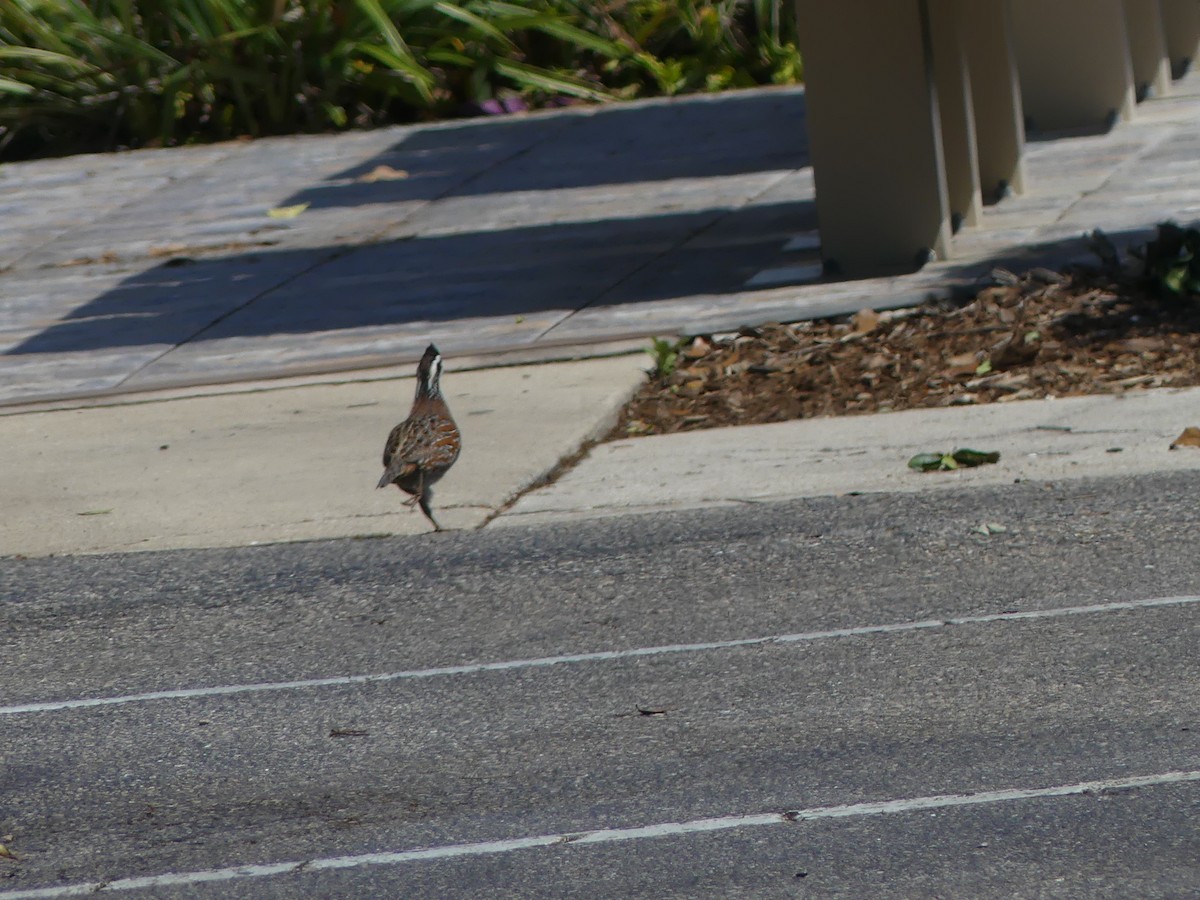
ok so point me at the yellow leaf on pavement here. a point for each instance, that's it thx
(287, 212)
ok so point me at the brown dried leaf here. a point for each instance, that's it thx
(962, 361)
(1013, 351)
(1189, 438)
(865, 321)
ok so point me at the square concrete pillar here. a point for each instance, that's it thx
(1181, 19)
(1148, 48)
(874, 134)
(952, 79)
(986, 29)
(1074, 61)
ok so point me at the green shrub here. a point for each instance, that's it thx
(99, 74)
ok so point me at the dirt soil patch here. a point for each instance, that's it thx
(1040, 334)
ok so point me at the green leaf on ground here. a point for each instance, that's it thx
(968, 457)
(932, 462)
(944, 462)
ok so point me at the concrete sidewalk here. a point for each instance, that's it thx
(1038, 440)
(276, 461)
(180, 368)
(273, 461)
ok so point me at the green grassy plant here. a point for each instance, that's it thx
(100, 74)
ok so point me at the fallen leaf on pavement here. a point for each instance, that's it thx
(287, 212)
(944, 462)
(969, 457)
(1189, 438)
(383, 173)
(932, 462)
(8, 854)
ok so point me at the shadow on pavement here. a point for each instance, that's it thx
(515, 272)
(694, 137)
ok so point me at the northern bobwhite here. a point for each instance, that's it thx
(423, 447)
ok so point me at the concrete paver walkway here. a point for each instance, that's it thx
(162, 268)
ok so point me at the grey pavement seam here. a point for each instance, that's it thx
(1132, 162)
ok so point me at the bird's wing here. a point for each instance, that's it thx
(443, 444)
(427, 442)
(395, 440)
(431, 442)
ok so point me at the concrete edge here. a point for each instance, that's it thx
(316, 375)
(608, 416)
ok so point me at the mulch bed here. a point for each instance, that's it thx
(1040, 334)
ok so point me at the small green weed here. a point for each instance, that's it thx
(1171, 262)
(666, 356)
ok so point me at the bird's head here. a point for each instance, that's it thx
(429, 371)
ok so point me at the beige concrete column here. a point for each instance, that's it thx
(996, 96)
(874, 134)
(1182, 21)
(1148, 48)
(953, 82)
(1073, 57)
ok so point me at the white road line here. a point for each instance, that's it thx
(598, 656)
(604, 836)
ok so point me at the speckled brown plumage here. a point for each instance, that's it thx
(422, 448)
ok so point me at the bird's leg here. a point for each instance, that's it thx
(419, 492)
(425, 495)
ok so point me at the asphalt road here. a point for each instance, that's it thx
(1028, 727)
